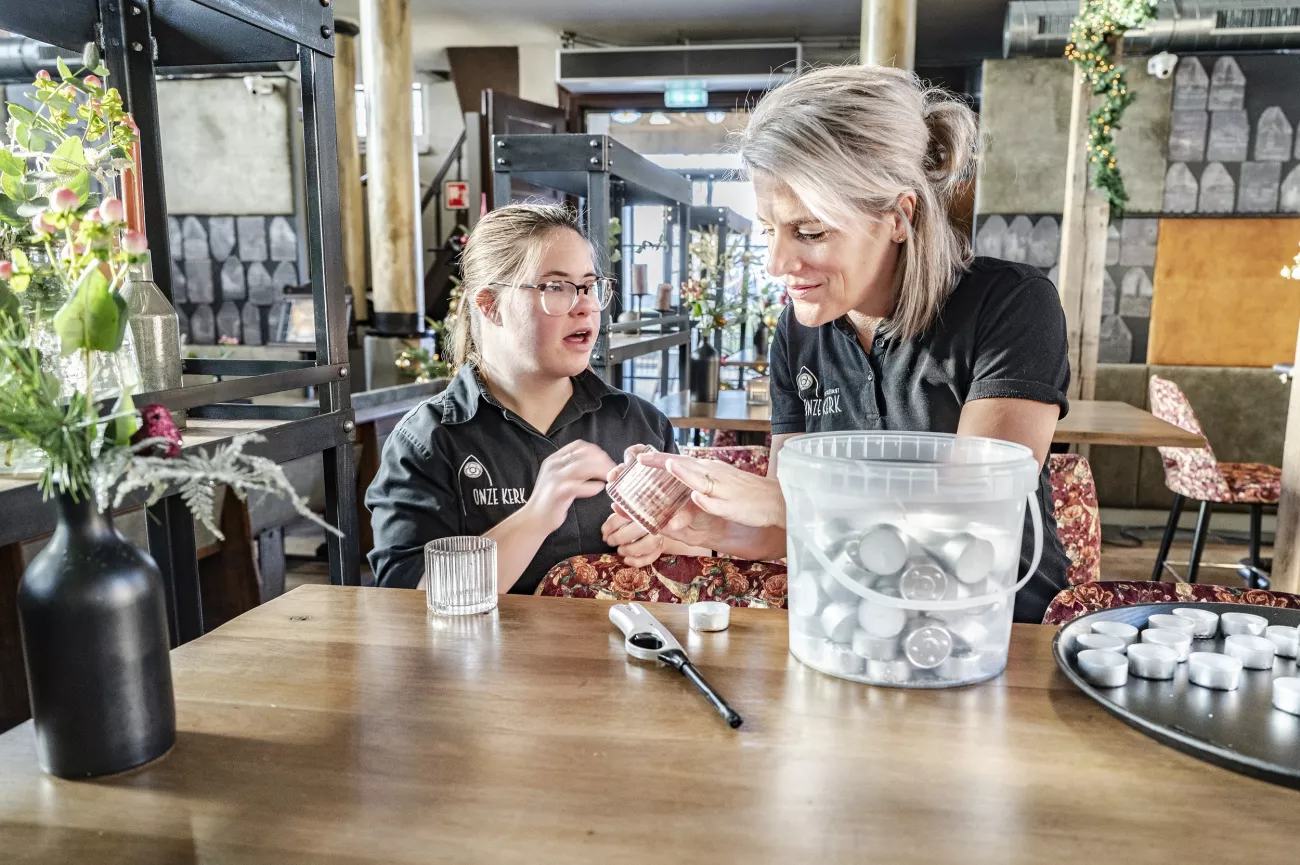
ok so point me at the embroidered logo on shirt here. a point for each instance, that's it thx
(807, 383)
(482, 496)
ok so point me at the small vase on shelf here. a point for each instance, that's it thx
(94, 631)
(706, 372)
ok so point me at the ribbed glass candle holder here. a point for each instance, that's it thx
(649, 495)
(461, 575)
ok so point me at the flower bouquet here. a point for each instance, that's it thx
(91, 605)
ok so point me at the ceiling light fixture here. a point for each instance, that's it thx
(630, 115)
(659, 119)
(715, 117)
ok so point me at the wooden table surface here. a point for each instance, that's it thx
(343, 725)
(1089, 421)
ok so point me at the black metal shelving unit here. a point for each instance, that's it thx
(607, 177)
(137, 39)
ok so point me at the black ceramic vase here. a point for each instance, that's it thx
(94, 630)
(706, 372)
(760, 341)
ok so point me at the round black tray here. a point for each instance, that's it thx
(1239, 730)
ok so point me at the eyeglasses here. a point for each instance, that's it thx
(559, 297)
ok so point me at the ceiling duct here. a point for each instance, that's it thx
(21, 58)
(647, 69)
(1041, 28)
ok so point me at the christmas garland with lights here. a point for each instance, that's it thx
(1092, 37)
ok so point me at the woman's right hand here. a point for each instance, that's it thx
(576, 471)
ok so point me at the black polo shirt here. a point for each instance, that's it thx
(461, 463)
(1001, 333)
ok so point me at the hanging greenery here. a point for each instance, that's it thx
(1092, 39)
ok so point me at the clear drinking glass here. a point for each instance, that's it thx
(461, 575)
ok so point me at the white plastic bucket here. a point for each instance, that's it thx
(903, 553)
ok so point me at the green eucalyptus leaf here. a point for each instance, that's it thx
(80, 184)
(101, 70)
(69, 157)
(21, 113)
(10, 164)
(93, 319)
(13, 187)
(64, 72)
(90, 55)
(120, 429)
(9, 212)
(28, 209)
(19, 258)
(60, 103)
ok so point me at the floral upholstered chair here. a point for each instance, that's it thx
(1078, 522)
(671, 579)
(1195, 473)
(725, 438)
(1076, 601)
(749, 458)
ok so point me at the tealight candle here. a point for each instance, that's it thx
(1255, 653)
(708, 616)
(894, 672)
(1242, 623)
(879, 620)
(1150, 661)
(1286, 694)
(1180, 643)
(923, 582)
(1123, 630)
(883, 550)
(1103, 669)
(1207, 623)
(805, 596)
(970, 559)
(1172, 623)
(1101, 641)
(840, 620)
(1285, 640)
(874, 648)
(1212, 670)
(927, 644)
(844, 661)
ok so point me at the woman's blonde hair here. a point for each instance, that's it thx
(854, 139)
(507, 246)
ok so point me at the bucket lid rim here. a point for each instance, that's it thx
(1018, 457)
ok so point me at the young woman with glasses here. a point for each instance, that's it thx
(519, 445)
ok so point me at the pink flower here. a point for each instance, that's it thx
(6, 269)
(93, 82)
(64, 200)
(42, 224)
(93, 215)
(134, 242)
(156, 423)
(43, 75)
(112, 210)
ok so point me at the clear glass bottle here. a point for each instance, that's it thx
(155, 330)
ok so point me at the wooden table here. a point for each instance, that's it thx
(1089, 421)
(343, 725)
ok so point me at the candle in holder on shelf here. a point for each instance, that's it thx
(664, 298)
(757, 391)
(640, 280)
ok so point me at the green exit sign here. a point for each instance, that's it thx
(686, 97)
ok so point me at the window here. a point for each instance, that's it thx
(417, 110)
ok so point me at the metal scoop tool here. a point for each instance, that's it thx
(646, 638)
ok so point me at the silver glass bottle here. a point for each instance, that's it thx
(156, 332)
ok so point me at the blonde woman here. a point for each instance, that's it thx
(892, 324)
(517, 447)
